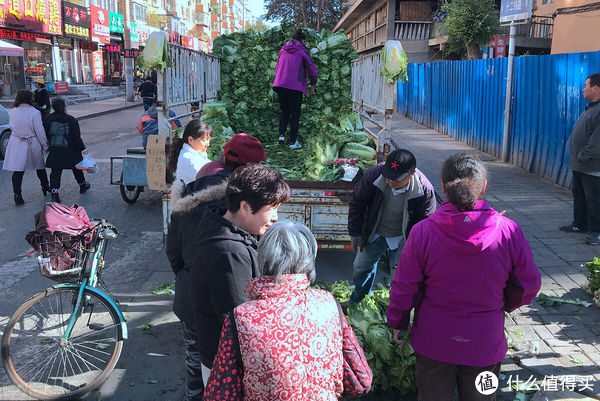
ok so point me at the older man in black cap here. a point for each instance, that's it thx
(389, 199)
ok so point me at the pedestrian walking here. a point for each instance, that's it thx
(225, 258)
(26, 144)
(289, 342)
(148, 92)
(293, 66)
(189, 205)
(66, 148)
(389, 199)
(584, 161)
(461, 270)
(41, 98)
(187, 155)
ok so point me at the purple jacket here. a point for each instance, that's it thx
(292, 64)
(461, 271)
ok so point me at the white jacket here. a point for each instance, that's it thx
(190, 161)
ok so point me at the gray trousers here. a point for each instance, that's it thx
(194, 384)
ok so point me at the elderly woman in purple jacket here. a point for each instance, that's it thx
(293, 64)
(461, 269)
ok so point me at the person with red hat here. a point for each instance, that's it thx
(239, 150)
(189, 204)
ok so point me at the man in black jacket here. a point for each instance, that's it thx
(148, 91)
(189, 205)
(584, 160)
(389, 199)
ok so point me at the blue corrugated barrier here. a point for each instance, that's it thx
(465, 100)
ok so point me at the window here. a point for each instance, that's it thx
(139, 13)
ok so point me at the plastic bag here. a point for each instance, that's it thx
(156, 53)
(394, 62)
(88, 164)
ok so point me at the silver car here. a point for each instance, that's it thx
(4, 131)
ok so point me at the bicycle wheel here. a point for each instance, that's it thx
(37, 361)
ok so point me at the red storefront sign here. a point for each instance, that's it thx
(32, 15)
(98, 67)
(61, 87)
(100, 25)
(499, 43)
(27, 36)
(113, 48)
(187, 41)
(131, 53)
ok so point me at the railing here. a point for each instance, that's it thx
(538, 27)
(412, 30)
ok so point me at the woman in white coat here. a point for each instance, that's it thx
(26, 144)
(188, 154)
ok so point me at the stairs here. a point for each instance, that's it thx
(89, 93)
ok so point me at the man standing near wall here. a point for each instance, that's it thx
(584, 160)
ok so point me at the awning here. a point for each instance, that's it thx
(8, 49)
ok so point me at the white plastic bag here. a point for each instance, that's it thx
(88, 164)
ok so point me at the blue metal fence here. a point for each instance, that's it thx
(465, 100)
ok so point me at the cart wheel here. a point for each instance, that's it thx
(130, 193)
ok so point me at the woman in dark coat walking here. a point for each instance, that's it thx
(66, 147)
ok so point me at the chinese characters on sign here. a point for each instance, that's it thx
(515, 10)
(27, 36)
(100, 25)
(98, 67)
(133, 32)
(76, 20)
(116, 22)
(132, 53)
(32, 15)
(113, 48)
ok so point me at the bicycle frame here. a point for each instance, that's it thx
(92, 262)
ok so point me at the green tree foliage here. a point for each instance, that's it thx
(257, 26)
(315, 14)
(470, 24)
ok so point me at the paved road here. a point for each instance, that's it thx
(151, 365)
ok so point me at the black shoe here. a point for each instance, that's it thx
(83, 188)
(572, 229)
(46, 189)
(54, 197)
(19, 200)
(593, 238)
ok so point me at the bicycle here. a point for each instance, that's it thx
(64, 342)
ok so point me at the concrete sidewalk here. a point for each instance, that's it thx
(100, 107)
(548, 341)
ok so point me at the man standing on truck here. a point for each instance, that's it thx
(389, 199)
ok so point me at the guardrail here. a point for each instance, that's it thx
(371, 93)
(412, 30)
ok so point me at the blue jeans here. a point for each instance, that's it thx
(365, 267)
(148, 102)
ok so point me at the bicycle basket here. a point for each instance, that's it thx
(60, 255)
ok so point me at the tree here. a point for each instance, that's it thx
(315, 14)
(470, 24)
(257, 26)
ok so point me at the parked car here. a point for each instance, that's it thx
(4, 131)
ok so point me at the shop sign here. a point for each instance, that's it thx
(32, 15)
(133, 32)
(116, 22)
(113, 48)
(175, 38)
(499, 44)
(64, 43)
(100, 25)
(26, 36)
(76, 21)
(131, 53)
(98, 67)
(57, 87)
(88, 46)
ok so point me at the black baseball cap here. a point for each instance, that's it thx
(399, 165)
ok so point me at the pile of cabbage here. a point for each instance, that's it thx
(393, 365)
(327, 124)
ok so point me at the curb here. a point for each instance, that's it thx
(100, 113)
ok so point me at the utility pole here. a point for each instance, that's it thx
(506, 134)
(128, 62)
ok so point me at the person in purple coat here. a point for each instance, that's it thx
(461, 269)
(293, 64)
